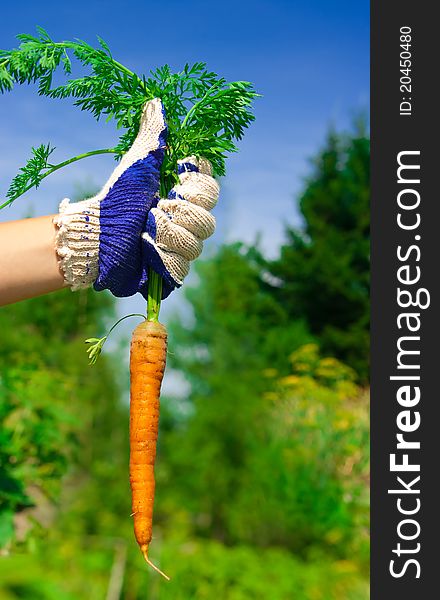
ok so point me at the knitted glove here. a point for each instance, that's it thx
(177, 227)
(99, 240)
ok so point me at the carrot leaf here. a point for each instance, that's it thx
(205, 114)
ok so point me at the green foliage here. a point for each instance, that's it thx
(271, 447)
(262, 472)
(207, 570)
(233, 292)
(37, 168)
(324, 267)
(204, 113)
(201, 569)
(313, 461)
(43, 369)
(32, 173)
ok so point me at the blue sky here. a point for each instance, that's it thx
(309, 60)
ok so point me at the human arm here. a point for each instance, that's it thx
(29, 265)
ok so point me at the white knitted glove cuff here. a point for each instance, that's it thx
(77, 241)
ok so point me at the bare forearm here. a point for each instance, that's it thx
(28, 261)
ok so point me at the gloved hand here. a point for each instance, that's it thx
(110, 240)
(177, 227)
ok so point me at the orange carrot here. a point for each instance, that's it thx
(147, 365)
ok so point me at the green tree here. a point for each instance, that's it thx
(324, 266)
(46, 391)
(250, 458)
(235, 334)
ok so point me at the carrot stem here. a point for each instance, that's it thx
(123, 319)
(52, 168)
(155, 280)
(154, 296)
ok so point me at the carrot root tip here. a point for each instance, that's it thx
(144, 550)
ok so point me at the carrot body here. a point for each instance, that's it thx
(147, 365)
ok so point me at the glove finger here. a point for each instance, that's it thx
(194, 218)
(175, 264)
(175, 238)
(147, 152)
(151, 128)
(197, 188)
(192, 163)
(171, 266)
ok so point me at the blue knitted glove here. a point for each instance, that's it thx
(100, 239)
